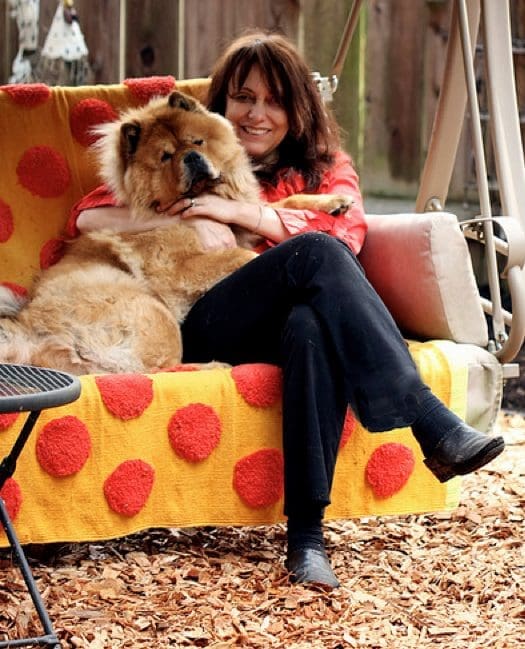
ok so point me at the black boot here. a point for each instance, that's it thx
(462, 450)
(310, 565)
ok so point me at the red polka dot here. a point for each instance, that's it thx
(44, 172)
(128, 488)
(194, 431)
(348, 428)
(11, 494)
(63, 446)
(125, 395)
(51, 252)
(259, 384)
(258, 478)
(6, 222)
(7, 419)
(389, 468)
(145, 89)
(89, 113)
(17, 289)
(28, 95)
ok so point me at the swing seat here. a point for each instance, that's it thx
(184, 447)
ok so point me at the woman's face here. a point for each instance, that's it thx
(261, 123)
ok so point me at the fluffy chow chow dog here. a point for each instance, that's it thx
(114, 302)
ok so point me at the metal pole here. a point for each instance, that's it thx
(481, 175)
(351, 22)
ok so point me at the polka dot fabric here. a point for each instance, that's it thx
(27, 95)
(199, 449)
(6, 222)
(45, 135)
(180, 447)
(44, 172)
(86, 115)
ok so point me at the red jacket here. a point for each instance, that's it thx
(341, 178)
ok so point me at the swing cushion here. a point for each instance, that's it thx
(421, 267)
(180, 447)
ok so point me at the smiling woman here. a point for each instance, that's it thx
(259, 119)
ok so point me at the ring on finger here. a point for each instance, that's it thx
(192, 204)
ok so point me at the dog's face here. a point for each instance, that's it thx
(172, 148)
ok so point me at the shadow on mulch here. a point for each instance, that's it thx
(514, 390)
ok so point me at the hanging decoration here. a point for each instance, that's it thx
(64, 57)
(26, 13)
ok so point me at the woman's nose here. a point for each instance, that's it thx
(257, 109)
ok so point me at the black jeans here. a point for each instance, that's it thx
(307, 306)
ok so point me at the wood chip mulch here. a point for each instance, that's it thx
(451, 580)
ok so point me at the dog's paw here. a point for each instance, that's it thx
(333, 204)
(339, 205)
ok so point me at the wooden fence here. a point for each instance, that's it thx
(387, 91)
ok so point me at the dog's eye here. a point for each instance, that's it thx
(198, 142)
(166, 155)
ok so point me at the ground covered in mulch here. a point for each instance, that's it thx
(446, 580)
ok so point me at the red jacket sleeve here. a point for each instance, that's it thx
(341, 178)
(99, 197)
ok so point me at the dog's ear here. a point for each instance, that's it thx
(184, 102)
(129, 138)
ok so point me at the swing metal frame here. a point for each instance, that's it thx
(502, 236)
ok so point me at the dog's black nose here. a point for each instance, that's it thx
(197, 165)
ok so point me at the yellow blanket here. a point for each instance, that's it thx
(202, 448)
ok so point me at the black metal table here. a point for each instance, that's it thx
(24, 388)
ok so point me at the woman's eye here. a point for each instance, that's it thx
(166, 156)
(243, 99)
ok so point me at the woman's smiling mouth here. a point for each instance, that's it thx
(252, 130)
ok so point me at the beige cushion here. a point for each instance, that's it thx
(420, 266)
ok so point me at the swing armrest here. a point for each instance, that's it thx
(421, 267)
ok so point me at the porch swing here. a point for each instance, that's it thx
(419, 263)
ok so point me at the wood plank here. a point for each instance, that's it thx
(212, 24)
(403, 96)
(324, 22)
(151, 38)
(99, 22)
(9, 33)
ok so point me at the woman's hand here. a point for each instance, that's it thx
(208, 215)
(221, 210)
(261, 220)
(213, 235)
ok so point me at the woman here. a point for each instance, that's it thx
(304, 303)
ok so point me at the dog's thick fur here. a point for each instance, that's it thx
(115, 301)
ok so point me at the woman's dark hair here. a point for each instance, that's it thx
(313, 135)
